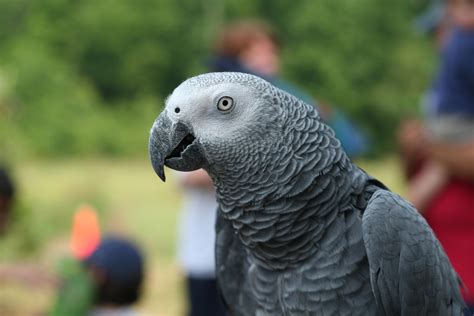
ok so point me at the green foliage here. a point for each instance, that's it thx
(354, 57)
(75, 296)
(88, 77)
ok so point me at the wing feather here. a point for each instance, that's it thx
(409, 272)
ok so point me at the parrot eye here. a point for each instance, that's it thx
(225, 104)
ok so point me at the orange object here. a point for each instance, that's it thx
(85, 236)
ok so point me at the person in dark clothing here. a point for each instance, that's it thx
(7, 195)
(204, 297)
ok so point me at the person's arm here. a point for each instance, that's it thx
(457, 159)
(198, 178)
(412, 145)
(424, 186)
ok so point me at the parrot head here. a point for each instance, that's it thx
(213, 121)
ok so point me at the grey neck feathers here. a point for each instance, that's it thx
(282, 198)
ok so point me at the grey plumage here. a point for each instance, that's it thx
(300, 229)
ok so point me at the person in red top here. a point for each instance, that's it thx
(439, 153)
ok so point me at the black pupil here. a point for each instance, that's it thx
(225, 102)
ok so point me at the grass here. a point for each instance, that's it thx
(131, 200)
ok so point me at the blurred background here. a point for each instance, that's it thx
(81, 83)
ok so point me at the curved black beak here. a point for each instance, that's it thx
(159, 144)
(173, 145)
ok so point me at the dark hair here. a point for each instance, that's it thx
(7, 189)
(119, 266)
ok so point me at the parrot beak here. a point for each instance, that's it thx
(159, 144)
(173, 145)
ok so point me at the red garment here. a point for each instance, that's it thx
(451, 216)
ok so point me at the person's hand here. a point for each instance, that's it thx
(28, 274)
(412, 140)
(456, 158)
(426, 184)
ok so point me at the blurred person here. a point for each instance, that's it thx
(252, 46)
(462, 13)
(439, 152)
(447, 106)
(7, 195)
(412, 134)
(117, 271)
(106, 281)
(196, 243)
(18, 272)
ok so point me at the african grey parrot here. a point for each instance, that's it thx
(300, 229)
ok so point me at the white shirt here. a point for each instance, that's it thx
(197, 235)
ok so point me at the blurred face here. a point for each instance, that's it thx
(442, 34)
(261, 56)
(462, 13)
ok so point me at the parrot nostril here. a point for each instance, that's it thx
(177, 110)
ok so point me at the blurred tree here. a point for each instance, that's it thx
(352, 55)
(88, 76)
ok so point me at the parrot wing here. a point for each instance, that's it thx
(408, 267)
